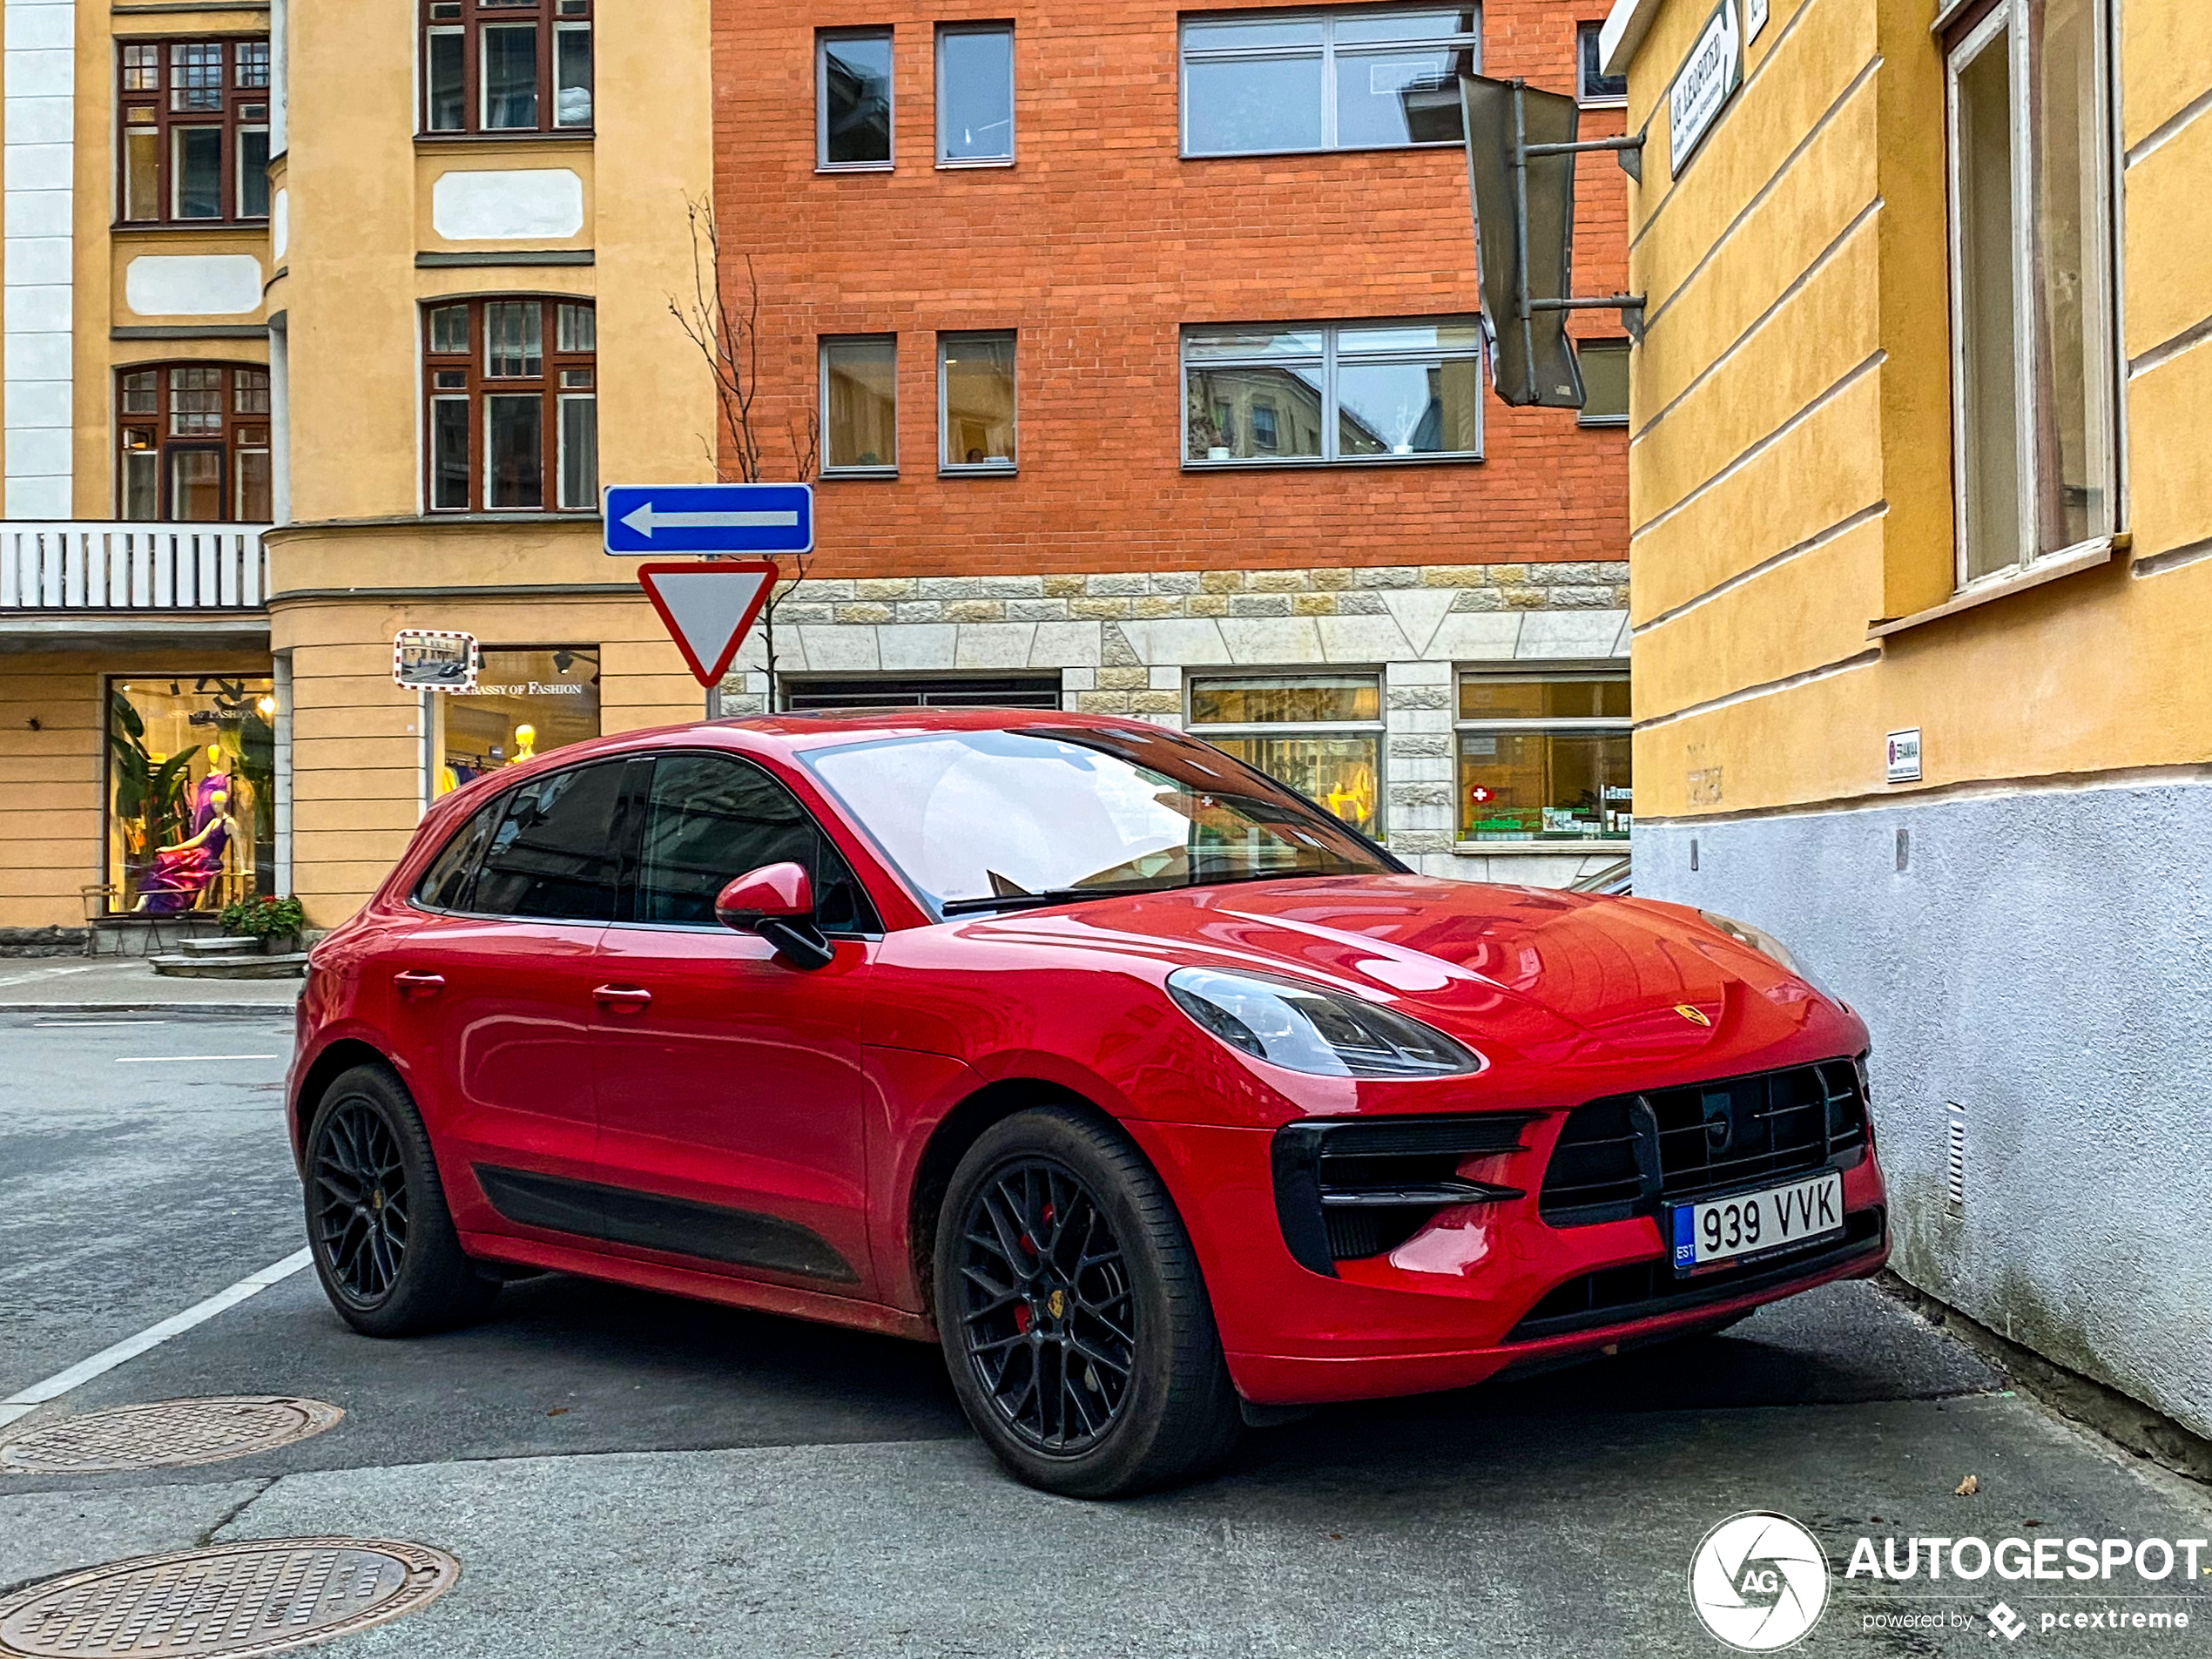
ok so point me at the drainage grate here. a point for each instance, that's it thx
(165, 1434)
(227, 1602)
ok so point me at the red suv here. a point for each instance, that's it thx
(1155, 1094)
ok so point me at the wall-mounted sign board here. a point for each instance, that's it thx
(1905, 757)
(434, 659)
(1703, 86)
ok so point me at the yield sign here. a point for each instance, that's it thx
(709, 608)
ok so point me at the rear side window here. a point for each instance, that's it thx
(554, 855)
(709, 820)
(445, 884)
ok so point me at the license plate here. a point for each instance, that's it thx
(1756, 1223)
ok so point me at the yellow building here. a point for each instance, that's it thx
(311, 315)
(1921, 598)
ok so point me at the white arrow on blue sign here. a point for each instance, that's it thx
(710, 518)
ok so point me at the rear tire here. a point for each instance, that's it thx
(382, 1238)
(1074, 1318)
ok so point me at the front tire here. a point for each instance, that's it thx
(1075, 1320)
(383, 1240)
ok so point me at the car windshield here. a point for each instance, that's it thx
(993, 819)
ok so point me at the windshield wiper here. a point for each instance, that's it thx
(1049, 896)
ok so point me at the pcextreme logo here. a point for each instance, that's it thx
(1759, 1582)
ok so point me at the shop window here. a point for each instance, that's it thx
(1605, 381)
(1326, 80)
(861, 405)
(527, 701)
(513, 416)
(975, 94)
(1332, 392)
(947, 691)
(194, 144)
(1319, 734)
(2035, 353)
(192, 791)
(506, 66)
(852, 98)
(975, 399)
(1594, 88)
(1544, 756)
(192, 443)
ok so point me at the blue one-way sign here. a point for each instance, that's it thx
(710, 518)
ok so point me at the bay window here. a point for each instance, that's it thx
(192, 443)
(194, 141)
(2035, 352)
(1544, 755)
(507, 66)
(1319, 734)
(512, 421)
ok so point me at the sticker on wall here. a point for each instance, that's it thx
(434, 659)
(1905, 756)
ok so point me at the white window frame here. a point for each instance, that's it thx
(944, 31)
(1327, 51)
(946, 465)
(1478, 725)
(1328, 363)
(1376, 728)
(886, 469)
(2009, 17)
(823, 39)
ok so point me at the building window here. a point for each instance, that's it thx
(1593, 88)
(861, 405)
(506, 65)
(192, 443)
(852, 98)
(941, 691)
(513, 418)
(1544, 756)
(194, 141)
(2035, 350)
(1326, 80)
(976, 402)
(192, 791)
(1315, 392)
(1319, 734)
(527, 701)
(1605, 381)
(975, 94)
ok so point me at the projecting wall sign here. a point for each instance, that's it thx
(1703, 85)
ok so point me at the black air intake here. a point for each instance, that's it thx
(1348, 1189)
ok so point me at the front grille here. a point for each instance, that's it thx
(1624, 1155)
(1645, 1290)
(1362, 1187)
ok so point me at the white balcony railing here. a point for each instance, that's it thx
(132, 567)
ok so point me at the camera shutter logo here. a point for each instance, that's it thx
(1759, 1582)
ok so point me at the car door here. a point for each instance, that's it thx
(729, 1080)
(495, 993)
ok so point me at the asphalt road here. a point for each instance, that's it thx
(621, 1473)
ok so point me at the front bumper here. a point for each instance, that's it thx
(1452, 1306)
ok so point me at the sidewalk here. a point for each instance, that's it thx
(64, 984)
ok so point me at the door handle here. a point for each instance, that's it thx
(413, 981)
(623, 999)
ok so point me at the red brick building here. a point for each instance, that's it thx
(1139, 346)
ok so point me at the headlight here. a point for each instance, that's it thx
(1304, 1027)
(1758, 938)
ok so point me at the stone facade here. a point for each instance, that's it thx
(1126, 644)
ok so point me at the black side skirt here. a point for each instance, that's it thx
(650, 1221)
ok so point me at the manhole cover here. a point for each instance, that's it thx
(165, 1434)
(227, 1601)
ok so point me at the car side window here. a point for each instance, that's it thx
(710, 818)
(554, 855)
(445, 884)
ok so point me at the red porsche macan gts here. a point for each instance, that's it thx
(1157, 1096)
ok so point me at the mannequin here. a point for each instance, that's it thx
(525, 744)
(181, 873)
(218, 781)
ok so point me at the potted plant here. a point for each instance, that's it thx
(275, 922)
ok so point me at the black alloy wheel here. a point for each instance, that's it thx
(383, 1240)
(1049, 1324)
(361, 1202)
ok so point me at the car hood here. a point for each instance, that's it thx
(1561, 979)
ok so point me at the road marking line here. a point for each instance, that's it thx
(86, 1025)
(152, 1337)
(189, 1059)
(50, 973)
